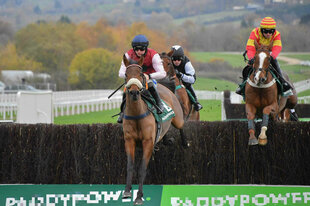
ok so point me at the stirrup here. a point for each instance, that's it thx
(239, 91)
(198, 106)
(160, 107)
(120, 118)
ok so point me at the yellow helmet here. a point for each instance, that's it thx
(268, 23)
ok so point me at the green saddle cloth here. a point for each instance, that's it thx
(167, 114)
(191, 98)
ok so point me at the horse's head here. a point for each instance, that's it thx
(261, 62)
(135, 79)
(167, 63)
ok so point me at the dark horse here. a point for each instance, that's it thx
(139, 125)
(262, 95)
(189, 112)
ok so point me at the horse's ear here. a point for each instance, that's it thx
(125, 60)
(270, 46)
(141, 60)
(256, 44)
(170, 53)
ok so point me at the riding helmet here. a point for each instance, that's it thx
(177, 51)
(268, 23)
(140, 40)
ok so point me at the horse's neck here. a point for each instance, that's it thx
(135, 107)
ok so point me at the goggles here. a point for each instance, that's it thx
(177, 58)
(141, 48)
(270, 31)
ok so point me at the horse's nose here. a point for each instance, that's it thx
(134, 94)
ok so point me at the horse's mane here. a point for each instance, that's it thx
(167, 83)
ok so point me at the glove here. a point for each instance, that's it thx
(251, 61)
(178, 74)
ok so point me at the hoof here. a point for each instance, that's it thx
(138, 201)
(253, 141)
(262, 142)
(186, 144)
(126, 195)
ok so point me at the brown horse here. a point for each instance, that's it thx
(139, 125)
(286, 103)
(261, 94)
(189, 113)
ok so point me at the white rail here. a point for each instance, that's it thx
(84, 101)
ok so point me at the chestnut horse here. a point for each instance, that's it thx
(139, 125)
(262, 96)
(189, 113)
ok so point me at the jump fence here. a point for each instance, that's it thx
(95, 154)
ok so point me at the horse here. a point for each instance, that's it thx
(286, 103)
(139, 125)
(189, 113)
(262, 95)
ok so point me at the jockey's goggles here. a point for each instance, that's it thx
(177, 58)
(141, 48)
(270, 31)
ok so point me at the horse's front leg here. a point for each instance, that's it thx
(273, 108)
(250, 113)
(147, 152)
(130, 146)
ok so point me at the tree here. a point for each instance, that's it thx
(95, 69)
(64, 19)
(37, 10)
(52, 44)
(10, 60)
(6, 33)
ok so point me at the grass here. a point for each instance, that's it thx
(214, 84)
(210, 112)
(295, 72)
(212, 17)
(88, 118)
(303, 57)
(234, 59)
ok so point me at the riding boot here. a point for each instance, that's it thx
(121, 114)
(197, 105)
(155, 94)
(245, 73)
(285, 84)
(294, 116)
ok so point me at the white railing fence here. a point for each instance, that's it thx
(84, 101)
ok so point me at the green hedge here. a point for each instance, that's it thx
(94, 154)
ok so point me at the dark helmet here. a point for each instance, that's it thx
(177, 51)
(140, 40)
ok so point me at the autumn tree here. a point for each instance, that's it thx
(52, 44)
(10, 60)
(95, 69)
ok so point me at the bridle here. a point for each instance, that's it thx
(259, 82)
(141, 86)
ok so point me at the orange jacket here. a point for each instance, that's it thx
(257, 35)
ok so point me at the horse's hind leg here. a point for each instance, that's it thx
(185, 143)
(130, 147)
(147, 152)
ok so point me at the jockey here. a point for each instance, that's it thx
(264, 35)
(185, 71)
(152, 68)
